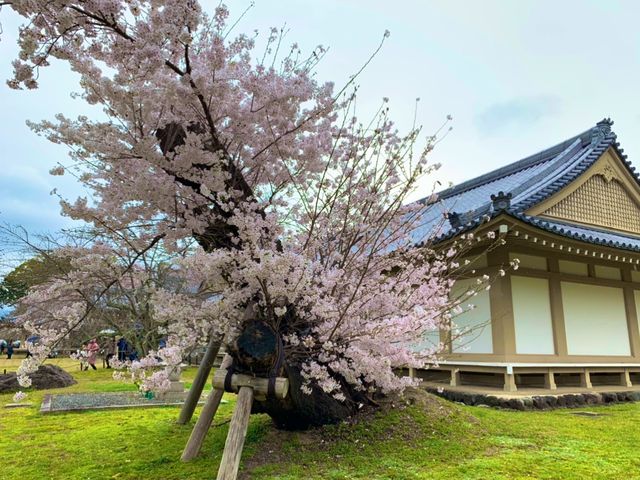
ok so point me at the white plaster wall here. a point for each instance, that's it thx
(476, 322)
(532, 315)
(636, 294)
(595, 320)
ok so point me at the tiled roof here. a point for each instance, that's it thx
(526, 183)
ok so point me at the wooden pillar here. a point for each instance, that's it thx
(237, 433)
(202, 426)
(550, 380)
(510, 382)
(632, 315)
(197, 386)
(625, 379)
(502, 323)
(455, 377)
(585, 379)
(557, 310)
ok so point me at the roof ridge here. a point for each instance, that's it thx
(567, 177)
(566, 156)
(594, 135)
(513, 167)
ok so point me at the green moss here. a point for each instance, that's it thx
(413, 443)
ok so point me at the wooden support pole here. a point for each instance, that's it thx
(510, 382)
(195, 391)
(202, 426)
(549, 380)
(455, 377)
(237, 433)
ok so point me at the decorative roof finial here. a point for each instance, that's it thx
(454, 219)
(501, 201)
(601, 130)
(459, 219)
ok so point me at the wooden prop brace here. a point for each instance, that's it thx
(190, 403)
(203, 424)
(248, 388)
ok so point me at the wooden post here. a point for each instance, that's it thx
(195, 391)
(237, 433)
(549, 380)
(455, 377)
(510, 382)
(585, 379)
(202, 426)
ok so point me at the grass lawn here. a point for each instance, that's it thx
(437, 440)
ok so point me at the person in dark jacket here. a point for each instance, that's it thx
(123, 348)
(9, 349)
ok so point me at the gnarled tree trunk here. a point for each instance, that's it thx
(258, 351)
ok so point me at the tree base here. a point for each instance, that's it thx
(300, 411)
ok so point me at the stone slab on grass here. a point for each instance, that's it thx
(71, 402)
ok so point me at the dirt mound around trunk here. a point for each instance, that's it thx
(47, 376)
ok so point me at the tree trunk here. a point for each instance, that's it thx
(300, 411)
(258, 351)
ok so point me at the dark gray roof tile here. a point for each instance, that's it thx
(530, 181)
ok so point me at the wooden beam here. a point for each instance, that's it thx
(260, 385)
(455, 377)
(510, 382)
(557, 310)
(237, 433)
(501, 306)
(190, 403)
(549, 380)
(632, 314)
(202, 426)
(585, 379)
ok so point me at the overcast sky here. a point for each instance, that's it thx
(517, 76)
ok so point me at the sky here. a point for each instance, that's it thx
(517, 77)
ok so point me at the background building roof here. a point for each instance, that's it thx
(517, 187)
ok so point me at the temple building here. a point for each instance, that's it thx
(569, 315)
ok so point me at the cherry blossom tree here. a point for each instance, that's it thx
(103, 275)
(305, 236)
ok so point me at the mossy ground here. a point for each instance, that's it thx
(432, 440)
